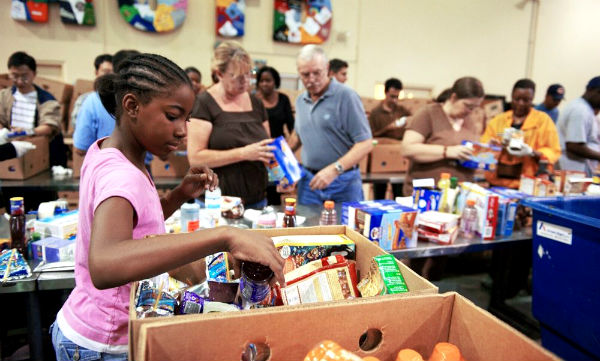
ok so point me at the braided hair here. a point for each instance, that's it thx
(145, 75)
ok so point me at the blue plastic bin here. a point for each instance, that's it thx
(566, 273)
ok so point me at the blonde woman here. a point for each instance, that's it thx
(229, 130)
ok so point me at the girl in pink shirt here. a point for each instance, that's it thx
(151, 99)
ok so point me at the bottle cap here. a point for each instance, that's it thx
(290, 200)
(329, 204)
(453, 182)
(445, 175)
(470, 202)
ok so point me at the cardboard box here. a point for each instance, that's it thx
(382, 325)
(77, 163)
(81, 86)
(33, 162)
(63, 225)
(387, 157)
(365, 251)
(53, 249)
(176, 166)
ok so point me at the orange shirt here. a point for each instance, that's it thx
(539, 133)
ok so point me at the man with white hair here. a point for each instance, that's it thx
(332, 127)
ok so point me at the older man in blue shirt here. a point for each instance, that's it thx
(332, 127)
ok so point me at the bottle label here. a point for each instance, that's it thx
(254, 292)
(289, 209)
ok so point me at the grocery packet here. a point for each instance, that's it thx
(284, 167)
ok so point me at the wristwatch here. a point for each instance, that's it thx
(339, 167)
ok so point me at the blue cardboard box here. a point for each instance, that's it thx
(284, 167)
(349, 210)
(53, 249)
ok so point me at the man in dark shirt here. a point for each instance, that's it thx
(388, 119)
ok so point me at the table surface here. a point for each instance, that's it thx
(65, 280)
(45, 181)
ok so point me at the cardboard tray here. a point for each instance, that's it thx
(365, 251)
(382, 325)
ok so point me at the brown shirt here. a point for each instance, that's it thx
(380, 118)
(434, 125)
(247, 180)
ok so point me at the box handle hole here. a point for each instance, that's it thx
(370, 339)
(256, 352)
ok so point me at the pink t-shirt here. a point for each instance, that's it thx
(97, 319)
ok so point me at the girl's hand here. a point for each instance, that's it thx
(460, 152)
(197, 180)
(259, 151)
(256, 247)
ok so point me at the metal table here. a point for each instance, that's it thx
(461, 245)
(45, 182)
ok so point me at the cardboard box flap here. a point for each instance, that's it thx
(291, 332)
(393, 324)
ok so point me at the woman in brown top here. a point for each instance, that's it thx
(229, 131)
(433, 138)
(433, 144)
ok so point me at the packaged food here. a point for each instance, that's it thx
(391, 226)
(190, 303)
(217, 267)
(438, 221)
(327, 279)
(53, 249)
(384, 278)
(254, 283)
(153, 302)
(222, 291)
(232, 207)
(13, 266)
(298, 250)
(485, 156)
(426, 199)
(284, 167)
(435, 237)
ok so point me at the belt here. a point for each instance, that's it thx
(315, 171)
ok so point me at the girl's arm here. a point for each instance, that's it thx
(199, 131)
(414, 149)
(116, 259)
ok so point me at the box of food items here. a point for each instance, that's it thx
(322, 265)
(377, 327)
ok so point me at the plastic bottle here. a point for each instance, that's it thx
(212, 201)
(18, 229)
(328, 215)
(444, 185)
(190, 217)
(468, 223)
(254, 283)
(267, 218)
(289, 218)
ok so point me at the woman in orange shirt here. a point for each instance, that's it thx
(540, 138)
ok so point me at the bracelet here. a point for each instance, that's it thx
(444, 154)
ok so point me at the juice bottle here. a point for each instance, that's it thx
(254, 283)
(443, 185)
(18, 229)
(328, 215)
(468, 222)
(289, 219)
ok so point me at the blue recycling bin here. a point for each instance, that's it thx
(566, 274)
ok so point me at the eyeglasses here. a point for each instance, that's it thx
(23, 77)
(240, 78)
(315, 74)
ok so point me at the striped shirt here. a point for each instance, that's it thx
(23, 110)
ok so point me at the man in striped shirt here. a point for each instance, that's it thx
(25, 106)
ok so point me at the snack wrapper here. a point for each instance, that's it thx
(190, 303)
(13, 266)
(217, 267)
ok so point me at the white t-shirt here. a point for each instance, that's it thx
(23, 110)
(577, 124)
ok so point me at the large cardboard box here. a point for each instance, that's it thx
(176, 166)
(81, 86)
(378, 326)
(386, 157)
(77, 163)
(33, 162)
(365, 251)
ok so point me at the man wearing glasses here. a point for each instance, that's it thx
(25, 106)
(334, 131)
